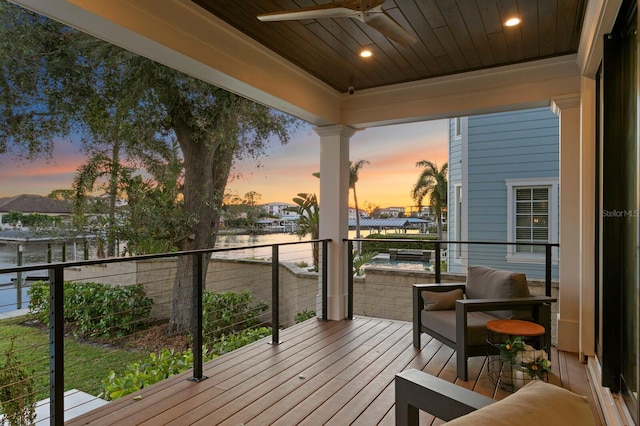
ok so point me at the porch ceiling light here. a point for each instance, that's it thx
(512, 22)
(365, 53)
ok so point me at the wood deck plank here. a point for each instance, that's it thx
(249, 385)
(269, 408)
(337, 372)
(363, 374)
(168, 390)
(297, 407)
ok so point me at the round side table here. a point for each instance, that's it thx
(517, 353)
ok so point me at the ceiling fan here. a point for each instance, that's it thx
(367, 11)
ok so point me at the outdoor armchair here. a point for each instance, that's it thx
(456, 314)
(537, 403)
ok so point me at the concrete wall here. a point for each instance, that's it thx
(298, 288)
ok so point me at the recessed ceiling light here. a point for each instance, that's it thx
(512, 22)
(366, 53)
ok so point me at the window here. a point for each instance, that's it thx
(532, 217)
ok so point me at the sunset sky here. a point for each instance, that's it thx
(287, 170)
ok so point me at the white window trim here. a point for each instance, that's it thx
(457, 127)
(457, 257)
(552, 184)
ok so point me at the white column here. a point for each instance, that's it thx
(334, 209)
(568, 109)
(588, 217)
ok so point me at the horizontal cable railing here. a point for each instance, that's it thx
(433, 258)
(102, 326)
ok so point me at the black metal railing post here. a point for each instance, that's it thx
(56, 346)
(547, 270)
(19, 278)
(437, 265)
(275, 296)
(350, 280)
(325, 281)
(196, 318)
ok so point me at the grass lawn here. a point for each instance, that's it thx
(86, 364)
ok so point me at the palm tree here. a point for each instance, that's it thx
(354, 168)
(432, 182)
(308, 211)
(101, 166)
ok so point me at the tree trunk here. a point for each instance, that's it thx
(199, 204)
(113, 195)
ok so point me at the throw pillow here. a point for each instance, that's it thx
(441, 300)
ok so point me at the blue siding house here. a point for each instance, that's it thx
(503, 186)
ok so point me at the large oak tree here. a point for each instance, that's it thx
(57, 82)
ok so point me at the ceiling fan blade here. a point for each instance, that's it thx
(389, 27)
(313, 12)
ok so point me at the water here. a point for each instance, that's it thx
(33, 253)
(36, 253)
(383, 260)
(291, 253)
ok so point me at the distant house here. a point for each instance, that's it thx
(29, 204)
(352, 213)
(503, 186)
(420, 211)
(276, 208)
(392, 211)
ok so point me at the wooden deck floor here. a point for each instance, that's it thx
(337, 372)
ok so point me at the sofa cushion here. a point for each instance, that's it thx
(537, 403)
(444, 323)
(490, 283)
(441, 300)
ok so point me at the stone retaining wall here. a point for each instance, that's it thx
(298, 288)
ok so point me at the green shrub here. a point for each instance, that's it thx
(230, 342)
(228, 313)
(304, 315)
(17, 391)
(155, 368)
(94, 309)
(419, 242)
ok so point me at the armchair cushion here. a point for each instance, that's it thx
(444, 323)
(441, 300)
(489, 283)
(537, 403)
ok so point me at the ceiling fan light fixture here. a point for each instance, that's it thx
(512, 22)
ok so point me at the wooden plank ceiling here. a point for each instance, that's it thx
(452, 37)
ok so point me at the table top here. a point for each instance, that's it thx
(515, 327)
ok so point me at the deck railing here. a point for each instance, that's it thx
(537, 260)
(287, 286)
